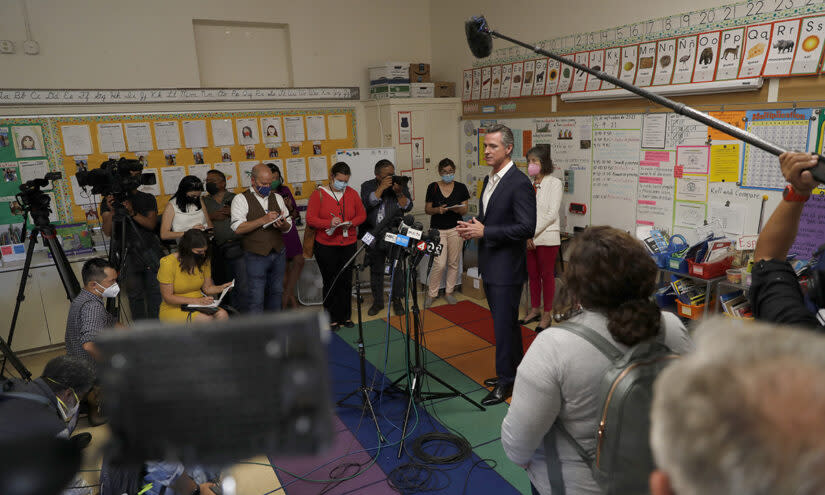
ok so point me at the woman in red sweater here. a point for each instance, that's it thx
(336, 212)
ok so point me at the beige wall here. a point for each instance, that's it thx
(534, 20)
(150, 43)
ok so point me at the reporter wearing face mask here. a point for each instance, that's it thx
(446, 201)
(88, 318)
(336, 212)
(185, 210)
(185, 277)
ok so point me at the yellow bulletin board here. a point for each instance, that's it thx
(338, 132)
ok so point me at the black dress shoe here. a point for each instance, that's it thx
(398, 307)
(375, 309)
(349, 324)
(81, 440)
(491, 382)
(498, 395)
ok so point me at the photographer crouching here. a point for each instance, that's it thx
(775, 293)
(130, 220)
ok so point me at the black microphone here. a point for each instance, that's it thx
(435, 237)
(478, 37)
(388, 222)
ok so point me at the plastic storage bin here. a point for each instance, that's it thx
(690, 311)
(710, 270)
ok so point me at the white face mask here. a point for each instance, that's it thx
(111, 291)
(66, 412)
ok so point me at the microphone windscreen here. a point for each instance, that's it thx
(409, 220)
(478, 38)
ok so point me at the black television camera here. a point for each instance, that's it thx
(35, 201)
(115, 177)
(401, 180)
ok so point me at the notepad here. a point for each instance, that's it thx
(216, 302)
(284, 215)
(331, 230)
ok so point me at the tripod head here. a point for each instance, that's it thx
(34, 201)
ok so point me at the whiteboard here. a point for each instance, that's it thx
(362, 163)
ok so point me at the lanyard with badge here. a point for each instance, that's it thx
(341, 210)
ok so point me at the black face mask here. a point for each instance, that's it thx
(200, 258)
(195, 201)
(212, 188)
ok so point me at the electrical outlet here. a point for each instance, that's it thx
(6, 46)
(31, 47)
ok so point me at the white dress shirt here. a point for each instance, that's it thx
(240, 208)
(492, 182)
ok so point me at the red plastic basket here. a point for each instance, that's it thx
(709, 270)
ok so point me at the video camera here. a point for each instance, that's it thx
(115, 177)
(32, 199)
(401, 180)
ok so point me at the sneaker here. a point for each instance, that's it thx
(398, 307)
(450, 299)
(375, 309)
(428, 301)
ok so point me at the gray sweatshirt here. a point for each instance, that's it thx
(559, 378)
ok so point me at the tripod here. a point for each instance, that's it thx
(49, 236)
(120, 258)
(363, 390)
(418, 370)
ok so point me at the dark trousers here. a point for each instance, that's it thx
(504, 304)
(142, 288)
(377, 259)
(338, 297)
(226, 269)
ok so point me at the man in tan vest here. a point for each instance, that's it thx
(260, 218)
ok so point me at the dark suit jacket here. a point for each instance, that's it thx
(509, 221)
(389, 200)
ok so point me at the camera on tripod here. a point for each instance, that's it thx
(35, 201)
(401, 180)
(115, 177)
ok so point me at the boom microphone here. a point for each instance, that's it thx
(479, 38)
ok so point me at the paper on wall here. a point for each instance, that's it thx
(247, 131)
(231, 172)
(272, 132)
(294, 128)
(318, 168)
(81, 196)
(153, 189)
(653, 132)
(245, 172)
(138, 136)
(194, 133)
(167, 135)
(110, 138)
(76, 140)
(693, 159)
(732, 217)
(724, 162)
(34, 169)
(296, 170)
(200, 170)
(171, 178)
(689, 214)
(337, 126)
(222, 132)
(692, 188)
(316, 130)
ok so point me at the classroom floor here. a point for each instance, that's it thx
(459, 349)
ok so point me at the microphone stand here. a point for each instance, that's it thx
(818, 171)
(363, 390)
(418, 371)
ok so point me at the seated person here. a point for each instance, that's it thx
(775, 293)
(185, 277)
(741, 415)
(612, 278)
(185, 210)
(50, 403)
(88, 318)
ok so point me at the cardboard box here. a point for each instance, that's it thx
(419, 73)
(444, 90)
(390, 73)
(471, 284)
(422, 90)
(379, 91)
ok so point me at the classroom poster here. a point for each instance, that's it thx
(730, 54)
(553, 72)
(77, 139)
(495, 84)
(737, 119)
(296, 170)
(486, 80)
(629, 60)
(647, 63)
(811, 41)
(247, 131)
(476, 84)
(612, 64)
(784, 38)
(222, 134)
(786, 128)
(724, 162)
(294, 128)
(757, 40)
(167, 135)
(316, 128)
(110, 138)
(580, 76)
(708, 56)
(541, 77)
(655, 190)
(665, 60)
(194, 134)
(28, 141)
(685, 60)
(565, 76)
(515, 83)
(171, 178)
(596, 63)
(811, 233)
(138, 137)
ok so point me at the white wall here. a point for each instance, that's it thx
(535, 20)
(150, 43)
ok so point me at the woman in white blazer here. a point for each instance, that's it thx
(544, 246)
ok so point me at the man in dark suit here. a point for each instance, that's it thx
(507, 218)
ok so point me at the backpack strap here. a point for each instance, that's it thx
(27, 396)
(596, 340)
(610, 352)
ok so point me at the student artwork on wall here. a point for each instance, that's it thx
(28, 141)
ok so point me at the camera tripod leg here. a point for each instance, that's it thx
(21, 295)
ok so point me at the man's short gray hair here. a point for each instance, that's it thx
(506, 134)
(744, 414)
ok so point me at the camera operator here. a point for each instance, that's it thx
(47, 405)
(144, 250)
(383, 197)
(775, 293)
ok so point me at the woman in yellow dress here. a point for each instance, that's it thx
(185, 277)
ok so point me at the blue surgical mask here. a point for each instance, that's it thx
(339, 185)
(448, 178)
(264, 190)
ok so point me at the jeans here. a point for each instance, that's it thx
(265, 281)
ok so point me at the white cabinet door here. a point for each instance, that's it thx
(55, 303)
(31, 330)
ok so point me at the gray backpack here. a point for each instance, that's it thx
(622, 461)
